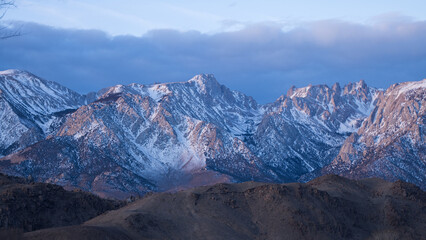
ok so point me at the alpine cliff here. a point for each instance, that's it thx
(391, 142)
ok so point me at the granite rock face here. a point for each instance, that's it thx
(303, 130)
(391, 142)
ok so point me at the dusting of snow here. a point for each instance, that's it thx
(349, 126)
(36, 100)
(156, 92)
(117, 89)
(201, 81)
(301, 92)
(405, 87)
(10, 72)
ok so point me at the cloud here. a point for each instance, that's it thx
(260, 59)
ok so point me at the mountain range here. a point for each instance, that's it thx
(133, 139)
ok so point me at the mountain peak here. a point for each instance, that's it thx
(290, 92)
(336, 87)
(407, 86)
(205, 82)
(25, 78)
(392, 135)
(203, 78)
(299, 92)
(12, 72)
(354, 86)
(308, 91)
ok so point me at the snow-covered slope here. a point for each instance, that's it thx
(391, 142)
(28, 108)
(160, 133)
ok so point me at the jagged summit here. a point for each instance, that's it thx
(336, 87)
(403, 88)
(28, 79)
(206, 83)
(203, 78)
(314, 90)
(390, 143)
(31, 95)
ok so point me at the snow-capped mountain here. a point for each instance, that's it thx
(139, 138)
(304, 130)
(29, 107)
(135, 138)
(391, 142)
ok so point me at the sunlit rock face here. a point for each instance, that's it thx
(303, 130)
(391, 142)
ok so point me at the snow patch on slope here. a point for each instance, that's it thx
(10, 72)
(301, 92)
(405, 87)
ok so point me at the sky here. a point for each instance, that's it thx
(260, 48)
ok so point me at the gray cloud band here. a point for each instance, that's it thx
(260, 60)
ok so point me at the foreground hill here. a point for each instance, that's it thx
(28, 206)
(328, 207)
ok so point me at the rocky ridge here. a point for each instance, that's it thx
(303, 130)
(391, 142)
(31, 108)
(30, 206)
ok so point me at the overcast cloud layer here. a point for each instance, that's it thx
(260, 60)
